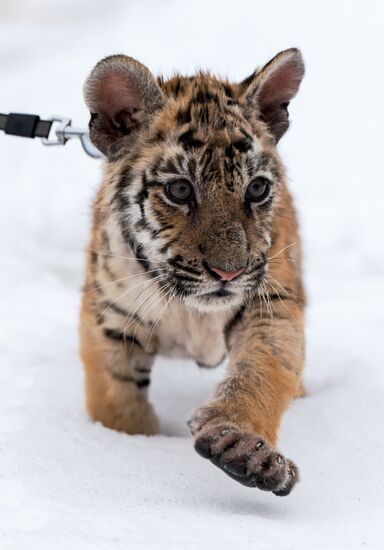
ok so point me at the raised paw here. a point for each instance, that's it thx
(247, 458)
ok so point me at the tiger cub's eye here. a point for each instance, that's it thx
(258, 190)
(179, 191)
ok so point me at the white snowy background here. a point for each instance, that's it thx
(66, 483)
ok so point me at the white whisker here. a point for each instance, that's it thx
(149, 307)
(282, 250)
(122, 257)
(132, 316)
(278, 295)
(125, 293)
(171, 293)
(125, 279)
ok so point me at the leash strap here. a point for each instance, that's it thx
(57, 130)
(30, 126)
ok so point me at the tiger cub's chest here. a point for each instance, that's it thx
(191, 334)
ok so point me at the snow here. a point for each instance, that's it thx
(68, 483)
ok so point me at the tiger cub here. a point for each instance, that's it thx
(195, 252)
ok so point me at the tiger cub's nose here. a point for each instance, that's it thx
(227, 275)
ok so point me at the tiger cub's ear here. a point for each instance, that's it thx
(273, 87)
(121, 94)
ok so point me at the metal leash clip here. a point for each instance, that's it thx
(63, 131)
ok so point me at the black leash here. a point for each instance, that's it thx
(53, 131)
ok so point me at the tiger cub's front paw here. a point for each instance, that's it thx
(247, 458)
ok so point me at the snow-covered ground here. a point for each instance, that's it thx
(67, 483)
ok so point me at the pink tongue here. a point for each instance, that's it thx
(227, 275)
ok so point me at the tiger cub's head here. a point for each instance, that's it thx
(195, 171)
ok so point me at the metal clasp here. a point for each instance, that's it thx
(63, 131)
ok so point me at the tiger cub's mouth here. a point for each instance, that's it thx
(205, 293)
(220, 293)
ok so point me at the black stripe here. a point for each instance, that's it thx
(119, 336)
(207, 161)
(279, 297)
(181, 277)
(184, 116)
(125, 312)
(141, 224)
(165, 247)
(130, 379)
(106, 258)
(115, 308)
(233, 322)
(178, 287)
(140, 198)
(188, 141)
(219, 122)
(94, 257)
(143, 383)
(204, 96)
(204, 114)
(106, 242)
(192, 167)
(137, 249)
(228, 91)
(158, 213)
(177, 87)
(174, 262)
(179, 159)
(97, 287)
(250, 166)
(242, 145)
(246, 134)
(164, 228)
(255, 276)
(120, 197)
(139, 253)
(160, 135)
(229, 152)
(170, 167)
(109, 271)
(142, 195)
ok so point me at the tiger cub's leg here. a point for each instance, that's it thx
(237, 429)
(117, 371)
